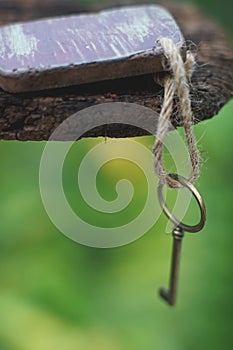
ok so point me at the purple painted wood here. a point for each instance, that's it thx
(80, 49)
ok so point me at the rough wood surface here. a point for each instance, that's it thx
(33, 116)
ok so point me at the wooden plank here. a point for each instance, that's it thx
(86, 48)
(33, 116)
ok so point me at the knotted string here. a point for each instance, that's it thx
(176, 83)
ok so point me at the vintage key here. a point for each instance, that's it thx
(170, 294)
(178, 233)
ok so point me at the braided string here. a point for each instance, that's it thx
(176, 82)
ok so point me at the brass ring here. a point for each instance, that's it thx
(183, 181)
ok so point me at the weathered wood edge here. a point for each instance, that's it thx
(34, 116)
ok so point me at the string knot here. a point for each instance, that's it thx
(177, 82)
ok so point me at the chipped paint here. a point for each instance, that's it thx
(77, 49)
(19, 43)
(85, 48)
(108, 35)
(2, 46)
(61, 46)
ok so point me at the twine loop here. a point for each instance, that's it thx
(177, 82)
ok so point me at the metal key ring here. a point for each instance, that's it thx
(186, 183)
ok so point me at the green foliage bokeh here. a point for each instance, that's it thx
(56, 294)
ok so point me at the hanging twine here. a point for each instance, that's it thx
(176, 83)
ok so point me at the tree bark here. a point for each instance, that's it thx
(33, 116)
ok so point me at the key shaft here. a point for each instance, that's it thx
(170, 294)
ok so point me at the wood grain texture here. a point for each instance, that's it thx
(33, 116)
(65, 51)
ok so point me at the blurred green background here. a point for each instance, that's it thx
(57, 294)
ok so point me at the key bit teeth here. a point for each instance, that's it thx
(165, 294)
